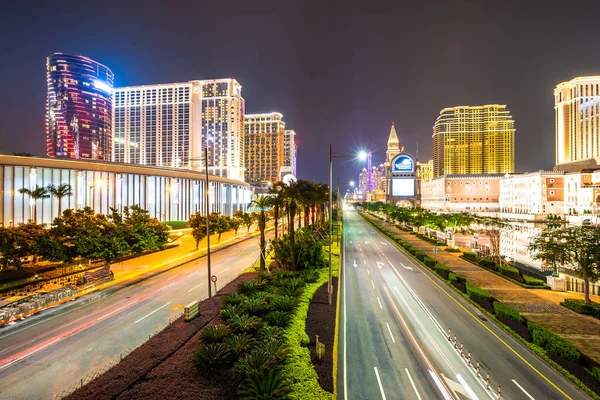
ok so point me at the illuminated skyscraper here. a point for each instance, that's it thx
(78, 108)
(577, 111)
(290, 150)
(474, 140)
(171, 124)
(264, 146)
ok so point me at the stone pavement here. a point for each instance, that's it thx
(537, 305)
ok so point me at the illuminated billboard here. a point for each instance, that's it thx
(403, 163)
(403, 187)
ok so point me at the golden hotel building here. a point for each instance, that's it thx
(264, 146)
(474, 140)
(577, 109)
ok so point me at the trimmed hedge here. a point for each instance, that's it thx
(430, 262)
(507, 269)
(553, 343)
(476, 291)
(487, 263)
(579, 306)
(531, 281)
(470, 256)
(502, 310)
(441, 268)
(452, 250)
(420, 255)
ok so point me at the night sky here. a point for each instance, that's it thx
(340, 72)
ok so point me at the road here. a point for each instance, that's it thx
(394, 323)
(49, 352)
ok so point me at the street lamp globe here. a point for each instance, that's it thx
(362, 155)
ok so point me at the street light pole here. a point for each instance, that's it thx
(329, 291)
(207, 200)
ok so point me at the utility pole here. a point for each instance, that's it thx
(207, 202)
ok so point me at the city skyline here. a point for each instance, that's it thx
(340, 61)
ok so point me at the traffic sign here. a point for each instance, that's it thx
(213, 278)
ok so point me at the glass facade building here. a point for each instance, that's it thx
(78, 108)
(290, 151)
(167, 193)
(474, 140)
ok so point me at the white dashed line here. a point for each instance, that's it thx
(390, 331)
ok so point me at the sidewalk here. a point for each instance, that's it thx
(537, 305)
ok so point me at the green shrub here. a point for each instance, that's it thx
(239, 344)
(430, 262)
(276, 349)
(269, 385)
(310, 276)
(213, 358)
(176, 224)
(247, 288)
(230, 311)
(233, 299)
(441, 268)
(269, 333)
(452, 276)
(507, 269)
(553, 343)
(283, 303)
(531, 281)
(476, 291)
(486, 262)
(579, 306)
(420, 255)
(253, 306)
(214, 333)
(412, 250)
(470, 256)
(505, 311)
(245, 323)
(278, 318)
(252, 364)
(293, 287)
(452, 250)
(595, 372)
(406, 245)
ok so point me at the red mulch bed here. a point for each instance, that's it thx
(321, 321)
(162, 367)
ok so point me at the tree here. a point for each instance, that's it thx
(262, 202)
(247, 220)
(235, 223)
(60, 191)
(218, 224)
(576, 247)
(197, 222)
(103, 237)
(30, 235)
(276, 201)
(458, 222)
(141, 232)
(60, 242)
(35, 195)
(12, 246)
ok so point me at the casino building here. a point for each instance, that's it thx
(78, 108)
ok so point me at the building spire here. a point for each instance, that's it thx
(393, 137)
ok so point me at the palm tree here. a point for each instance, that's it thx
(276, 201)
(35, 194)
(262, 202)
(291, 194)
(60, 191)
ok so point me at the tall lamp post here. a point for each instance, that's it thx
(331, 157)
(339, 206)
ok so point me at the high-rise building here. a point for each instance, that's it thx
(425, 171)
(474, 140)
(577, 112)
(264, 146)
(153, 125)
(290, 150)
(171, 125)
(78, 108)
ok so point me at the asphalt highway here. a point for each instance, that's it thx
(394, 322)
(47, 353)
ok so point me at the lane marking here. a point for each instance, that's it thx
(380, 386)
(147, 315)
(365, 261)
(115, 311)
(90, 349)
(439, 385)
(524, 391)
(195, 287)
(28, 354)
(390, 331)
(413, 384)
(219, 273)
(379, 264)
(173, 276)
(470, 392)
(164, 287)
(372, 284)
(379, 301)
(368, 272)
